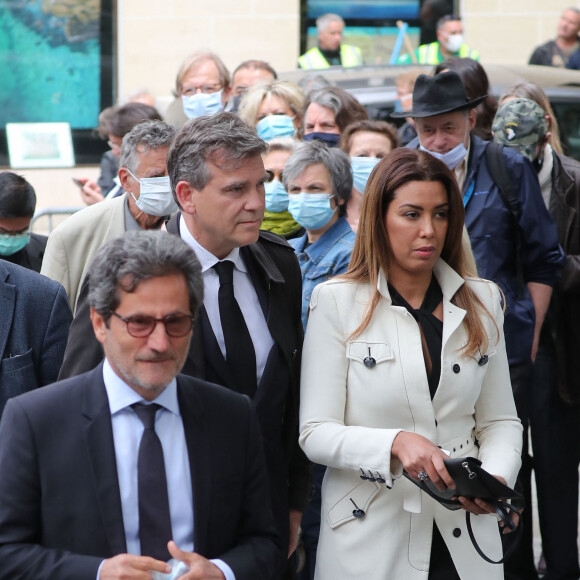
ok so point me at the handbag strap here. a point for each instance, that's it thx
(503, 510)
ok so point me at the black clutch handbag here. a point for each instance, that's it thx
(472, 481)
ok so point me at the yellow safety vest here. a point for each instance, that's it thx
(430, 54)
(313, 59)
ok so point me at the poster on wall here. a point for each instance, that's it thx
(55, 62)
(39, 145)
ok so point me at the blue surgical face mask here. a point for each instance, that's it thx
(12, 243)
(276, 196)
(398, 106)
(361, 170)
(275, 126)
(331, 139)
(453, 157)
(202, 104)
(311, 210)
(155, 197)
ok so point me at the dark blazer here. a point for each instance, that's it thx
(60, 505)
(562, 324)
(34, 321)
(275, 272)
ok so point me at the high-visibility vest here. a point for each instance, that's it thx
(430, 54)
(313, 59)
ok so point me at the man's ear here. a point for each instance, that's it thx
(127, 181)
(185, 194)
(99, 325)
(471, 118)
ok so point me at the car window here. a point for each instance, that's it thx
(568, 116)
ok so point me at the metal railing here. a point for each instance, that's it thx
(50, 212)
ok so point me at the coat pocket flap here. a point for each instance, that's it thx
(17, 362)
(358, 498)
(380, 351)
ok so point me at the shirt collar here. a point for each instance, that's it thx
(326, 241)
(449, 280)
(121, 395)
(131, 224)
(461, 169)
(205, 257)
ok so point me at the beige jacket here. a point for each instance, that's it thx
(73, 244)
(351, 413)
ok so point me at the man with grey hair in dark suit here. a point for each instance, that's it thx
(109, 474)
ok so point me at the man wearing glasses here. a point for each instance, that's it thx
(112, 473)
(202, 87)
(248, 334)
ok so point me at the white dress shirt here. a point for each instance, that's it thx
(127, 432)
(244, 292)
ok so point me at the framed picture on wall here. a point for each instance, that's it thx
(32, 145)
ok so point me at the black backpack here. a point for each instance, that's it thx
(509, 194)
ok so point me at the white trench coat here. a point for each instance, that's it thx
(350, 414)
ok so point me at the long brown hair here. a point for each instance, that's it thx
(372, 251)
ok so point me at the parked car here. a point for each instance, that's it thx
(374, 87)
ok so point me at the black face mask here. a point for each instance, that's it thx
(331, 139)
(236, 103)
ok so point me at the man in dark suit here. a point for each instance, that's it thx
(78, 459)
(17, 204)
(217, 175)
(34, 321)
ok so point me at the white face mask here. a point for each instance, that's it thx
(155, 197)
(454, 156)
(454, 42)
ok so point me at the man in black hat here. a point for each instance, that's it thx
(513, 238)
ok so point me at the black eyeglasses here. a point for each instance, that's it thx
(140, 326)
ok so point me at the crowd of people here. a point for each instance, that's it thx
(278, 318)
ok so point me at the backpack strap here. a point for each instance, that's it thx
(509, 193)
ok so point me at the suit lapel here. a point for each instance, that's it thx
(452, 317)
(258, 261)
(449, 281)
(7, 305)
(195, 363)
(98, 435)
(199, 450)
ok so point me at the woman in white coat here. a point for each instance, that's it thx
(403, 358)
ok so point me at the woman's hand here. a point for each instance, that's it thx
(479, 507)
(417, 454)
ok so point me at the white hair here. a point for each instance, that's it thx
(323, 21)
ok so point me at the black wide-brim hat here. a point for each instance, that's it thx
(437, 95)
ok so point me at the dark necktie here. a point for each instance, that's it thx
(240, 354)
(154, 518)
